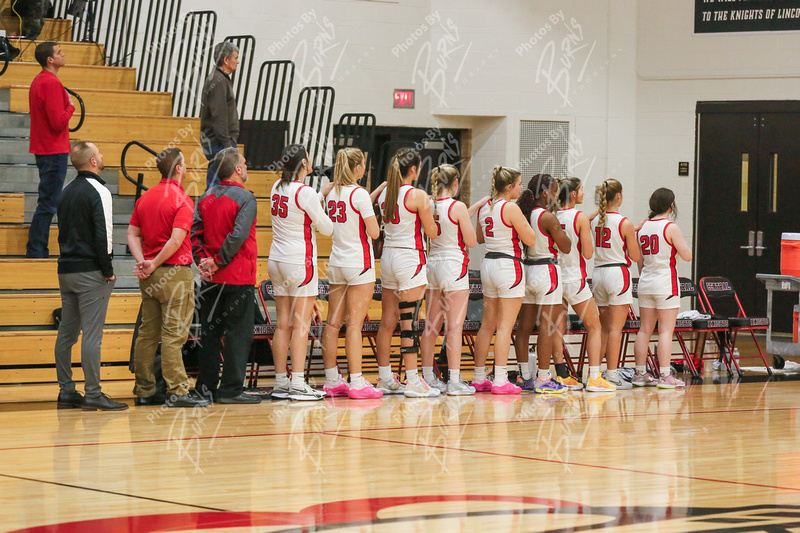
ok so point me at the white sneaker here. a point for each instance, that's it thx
(620, 383)
(281, 393)
(459, 388)
(437, 383)
(420, 389)
(305, 393)
(391, 387)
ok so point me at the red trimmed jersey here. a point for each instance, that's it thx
(659, 276)
(348, 209)
(609, 245)
(545, 246)
(449, 245)
(498, 236)
(573, 265)
(296, 211)
(405, 229)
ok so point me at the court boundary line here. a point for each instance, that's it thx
(428, 426)
(111, 492)
(566, 463)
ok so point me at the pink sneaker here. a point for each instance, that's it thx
(506, 388)
(367, 392)
(486, 386)
(669, 382)
(336, 388)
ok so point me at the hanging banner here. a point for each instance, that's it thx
(725, 16)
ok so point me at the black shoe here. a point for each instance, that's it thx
(69, 400)
(103, 403)
(186, 400)
(155, 399)
(242, 398)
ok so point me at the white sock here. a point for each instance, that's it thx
(533, 362)
(612, 374)
(385, 373)
(640, 369)
(332, 374)
(356, 381)
(480, 374)
(525, 370)
(543, 375)
(427, 374)
(298, 379)
(412, 376)
(455, 375)
(500, 375)
(665, 371)
(594, 372)
(281, 378)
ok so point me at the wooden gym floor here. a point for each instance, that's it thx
(715, 457)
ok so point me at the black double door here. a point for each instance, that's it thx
(747, 192)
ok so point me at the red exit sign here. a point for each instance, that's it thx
(404, 98)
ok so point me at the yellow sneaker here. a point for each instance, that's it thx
(599, 385)
(570, 382)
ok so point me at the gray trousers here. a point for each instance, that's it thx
(84, 302)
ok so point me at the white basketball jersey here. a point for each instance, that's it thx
(295, 207)
(498, 236)
(609, 246)
(659, 274)
(405, 229)
(573, 265)
(450, 242)
(545, 247)
(348, 209)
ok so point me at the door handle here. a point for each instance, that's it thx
(760, 243)
(751, 248)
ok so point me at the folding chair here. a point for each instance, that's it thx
(717, 327)
(721, 290)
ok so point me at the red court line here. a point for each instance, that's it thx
(429, 426)
(567, 463)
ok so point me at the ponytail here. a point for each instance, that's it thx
(607, 192)
(444, 176)
(565, 187)
(291, 162)
(502, 178)
(346, 161)
(402, 162)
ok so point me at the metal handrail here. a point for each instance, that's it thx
(140, 178)
(5, 65)
(83, 110)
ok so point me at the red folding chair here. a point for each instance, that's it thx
(721, 291)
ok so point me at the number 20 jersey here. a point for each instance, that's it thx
(659, 275)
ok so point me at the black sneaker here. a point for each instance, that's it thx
(102, 403)
(69, 400)
(186, 400)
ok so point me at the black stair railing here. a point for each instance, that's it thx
(356, 130)
(82, 106)
(195, 61)
(241, 78)
(158, 45)
(274, 90)
(139, 181)
(312, 123)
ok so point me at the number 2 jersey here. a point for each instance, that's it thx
(296, 212)
(659, 276)
(348, 209)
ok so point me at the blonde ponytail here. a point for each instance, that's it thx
(607, 192)
(502, 178)
(442, 176)
(347, 159)
(402, 162)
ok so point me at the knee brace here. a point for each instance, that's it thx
(410, 311)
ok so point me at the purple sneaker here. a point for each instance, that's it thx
(550, 386)
(528, 385)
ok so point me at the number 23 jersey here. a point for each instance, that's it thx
(348, 209)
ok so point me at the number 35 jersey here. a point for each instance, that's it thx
(348, 209)
(296, 211)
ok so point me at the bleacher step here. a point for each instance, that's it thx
(25, 178)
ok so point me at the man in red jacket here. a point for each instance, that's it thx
(224, 247)
(50, 110)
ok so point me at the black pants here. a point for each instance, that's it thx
(226, 311)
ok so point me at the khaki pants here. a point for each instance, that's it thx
(167, 310)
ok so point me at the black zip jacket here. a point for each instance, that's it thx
(85, 226)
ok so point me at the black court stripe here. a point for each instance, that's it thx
(113, 493)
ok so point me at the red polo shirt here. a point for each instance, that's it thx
(50, 113)
(161, 209)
